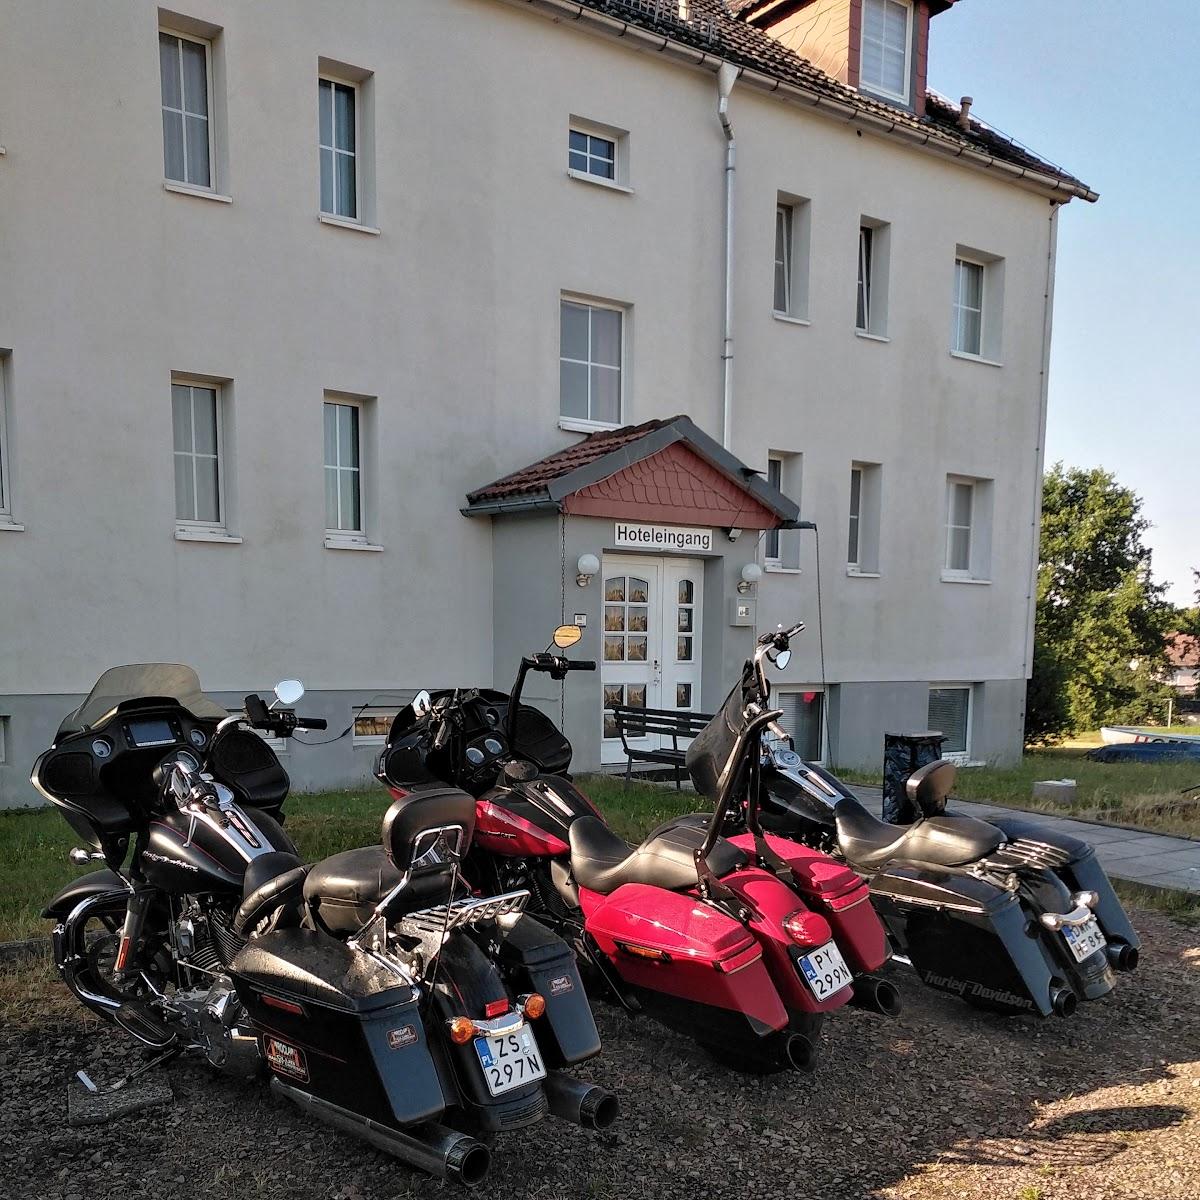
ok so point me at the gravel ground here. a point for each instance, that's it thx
(942, 1102)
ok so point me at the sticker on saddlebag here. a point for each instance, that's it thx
(560, 985)
(406, 1035)
(285, 1059)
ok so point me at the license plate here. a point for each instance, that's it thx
(825, 971)
(1085, 939)
(510, 1060)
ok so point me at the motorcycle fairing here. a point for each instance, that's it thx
(94, 883)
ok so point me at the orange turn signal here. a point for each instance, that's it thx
(534, 1005)
(461, 1030)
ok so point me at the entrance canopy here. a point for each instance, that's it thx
(663, 471)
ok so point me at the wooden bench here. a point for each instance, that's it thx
(657, 722)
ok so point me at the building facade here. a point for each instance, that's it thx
(282, 284)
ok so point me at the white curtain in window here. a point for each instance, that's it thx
(885, 46)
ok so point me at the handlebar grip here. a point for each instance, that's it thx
(582, 664)
(311, 723)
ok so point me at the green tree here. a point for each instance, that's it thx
(1098, 632)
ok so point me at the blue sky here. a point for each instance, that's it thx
(1109, 91)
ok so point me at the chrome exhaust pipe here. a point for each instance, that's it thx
(800, 1052)
(1063, 1001)
(1122, 956)
(435, 1149)
(583, 1104)
(877, 995)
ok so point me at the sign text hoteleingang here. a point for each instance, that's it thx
(662, 537)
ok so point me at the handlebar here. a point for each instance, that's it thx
(311, 723)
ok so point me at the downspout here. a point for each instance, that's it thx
(726, 77)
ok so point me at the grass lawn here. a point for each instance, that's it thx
(34, 842)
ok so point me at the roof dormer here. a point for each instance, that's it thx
(879, 47)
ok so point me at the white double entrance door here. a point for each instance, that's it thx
(652, 638)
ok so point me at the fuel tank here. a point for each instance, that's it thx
(210, 850)
(544, 807)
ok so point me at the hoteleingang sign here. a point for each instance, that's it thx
(682, 539)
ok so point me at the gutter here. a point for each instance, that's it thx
(726, 77)
(930, 140)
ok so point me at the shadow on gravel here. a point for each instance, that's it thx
(891, 1107)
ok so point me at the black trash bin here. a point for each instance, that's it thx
(903, 753)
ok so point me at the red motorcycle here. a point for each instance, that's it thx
(741, 943)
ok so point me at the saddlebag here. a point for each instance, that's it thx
(333, 1023)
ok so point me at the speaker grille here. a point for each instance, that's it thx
(70, 775)
(239, 752)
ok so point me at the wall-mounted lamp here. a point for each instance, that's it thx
(733, 533)
(751, 574)
(587, 566)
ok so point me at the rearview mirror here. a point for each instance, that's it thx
(782, 659)
(567, 635)
(422, 704)
(288, 692)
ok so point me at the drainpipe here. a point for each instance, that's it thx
(726, 77)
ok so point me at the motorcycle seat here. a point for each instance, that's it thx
(601, 861)
(941, 841)
(342, 891)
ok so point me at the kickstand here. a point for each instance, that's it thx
(160, 1059)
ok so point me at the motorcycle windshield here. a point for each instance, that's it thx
(162, 681)
(709, 756)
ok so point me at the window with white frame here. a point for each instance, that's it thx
(866, 237)
(337, 104)
(771, 543)
(968, 528)
(185, 70)
(862, 538)
(781, 547)
(968, 306)
(6, 500)
(854, 546)
(803, 718)
(792, 239)
(198, 443)
(372, 725)
(343, 468)
(783, 258)
(884, 66)
(950, 715)
(591, 362)
(4, 739)
(592, 155)
(874, 249)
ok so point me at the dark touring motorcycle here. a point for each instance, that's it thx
(383, 997)
(718, 939)
(1009, 915)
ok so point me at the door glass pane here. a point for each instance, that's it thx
(181, 416)
(639, 619)
(185, 497)
(683, 695)
(195, 81)
(168, 69)
(197, 151)
(173, 167)
(639, 591)
(683, 649)
(614, 693)
(606, 395)
(685, 591)
(637, 649)
(207, 506)
(685, 620)
(614, 649)
(614, 618)
(614, 588)
(573, 389)
(204, 410)
(637, 697)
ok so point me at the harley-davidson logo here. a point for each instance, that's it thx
(971, 987)
(406, 1035)
(285, 1059)
(561, 985)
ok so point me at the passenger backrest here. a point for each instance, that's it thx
(441, 818)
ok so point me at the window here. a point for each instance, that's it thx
(598, 153)
(591, 355)
(792, 237)
(185, 71)
(862, 541)
(343, 469)
(338, 124)
(775, 479)
(978, 305)
(3, 739)
(874, 245)
(371, 725)
(6, 500)
(950, 715)
(968, 528)
(803, 717)
(886, 37)
(199, 470)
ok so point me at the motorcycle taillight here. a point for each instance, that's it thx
(807, 928)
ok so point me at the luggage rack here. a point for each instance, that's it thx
(1027, 852)
(445, 917)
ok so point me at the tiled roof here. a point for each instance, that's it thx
(537, 476)
(1183, 650)
(714, 28)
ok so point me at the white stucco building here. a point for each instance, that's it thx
(282, 283)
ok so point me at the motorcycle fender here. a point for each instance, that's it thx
(539, 961)
(81, 889)
(772, 902)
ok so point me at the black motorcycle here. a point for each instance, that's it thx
(382, 996)
(1009, 915)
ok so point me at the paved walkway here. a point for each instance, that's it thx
(1152, 859)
